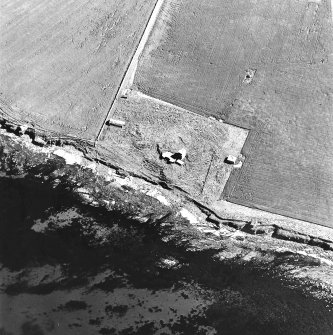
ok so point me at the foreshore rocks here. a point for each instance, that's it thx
(302, 261)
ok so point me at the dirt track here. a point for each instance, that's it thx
(61, 62)
(198, 57)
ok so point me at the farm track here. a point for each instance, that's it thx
(62, 64)
(197, 62)
(128, 75)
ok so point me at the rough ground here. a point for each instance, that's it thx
(61, 62)
(94, 254)
(198, 57)
(153, 127)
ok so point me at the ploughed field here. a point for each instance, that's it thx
(265, 66)
(61, 62)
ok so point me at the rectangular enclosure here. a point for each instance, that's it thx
(265, 66)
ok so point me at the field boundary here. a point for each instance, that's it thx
(253, 139)
(128, 75)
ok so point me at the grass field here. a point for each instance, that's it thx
(198, 56)
(61, 62)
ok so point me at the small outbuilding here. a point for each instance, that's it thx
(230, 160)
(176, 157)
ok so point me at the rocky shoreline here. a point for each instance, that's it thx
(231, 260)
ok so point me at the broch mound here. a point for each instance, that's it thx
(165, 167)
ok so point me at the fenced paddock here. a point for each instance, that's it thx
(198, 56)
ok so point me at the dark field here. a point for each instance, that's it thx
(198, 56)
(61, 62)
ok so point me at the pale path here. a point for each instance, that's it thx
(128, 78)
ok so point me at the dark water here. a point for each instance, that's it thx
(71, 269)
